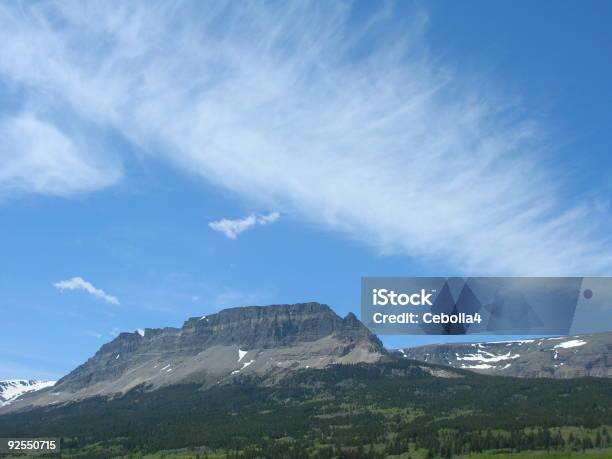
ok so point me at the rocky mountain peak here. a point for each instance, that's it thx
(267, 341)
(270, 326)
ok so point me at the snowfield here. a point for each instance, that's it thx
(487, 357)
(12, 389)
(570, 344)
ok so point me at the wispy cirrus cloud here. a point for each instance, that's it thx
(78, 283)
(351, 124)
(233, 228)
(37, 157)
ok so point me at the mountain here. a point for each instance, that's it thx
(273, 382)
(561, 357)
(391, 408)
(268, 341)
(12, 389)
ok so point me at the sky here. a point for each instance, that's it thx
(163, 160)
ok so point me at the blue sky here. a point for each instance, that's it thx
(430, 138)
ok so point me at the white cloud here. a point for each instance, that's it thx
(232, 228)
(37, 157)
(270, 218)
(352, 125)
(78, 283)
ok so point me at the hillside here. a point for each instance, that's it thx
(300, 381)
(387, 407)
(268, 341)
(558, 357)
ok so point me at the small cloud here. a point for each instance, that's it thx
(232, 228)
(270, 218)
(78, 283)
(94, 334)
(114, 331)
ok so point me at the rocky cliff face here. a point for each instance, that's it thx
(564, 357)
(267, 341)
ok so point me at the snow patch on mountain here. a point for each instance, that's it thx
(570, 344)
(554, 356)
(244, 365)
(487, 357)
(12, 389)
(479, 366)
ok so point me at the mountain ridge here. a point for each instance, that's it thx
(270, 342)
(267, 341)
(552, 357)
